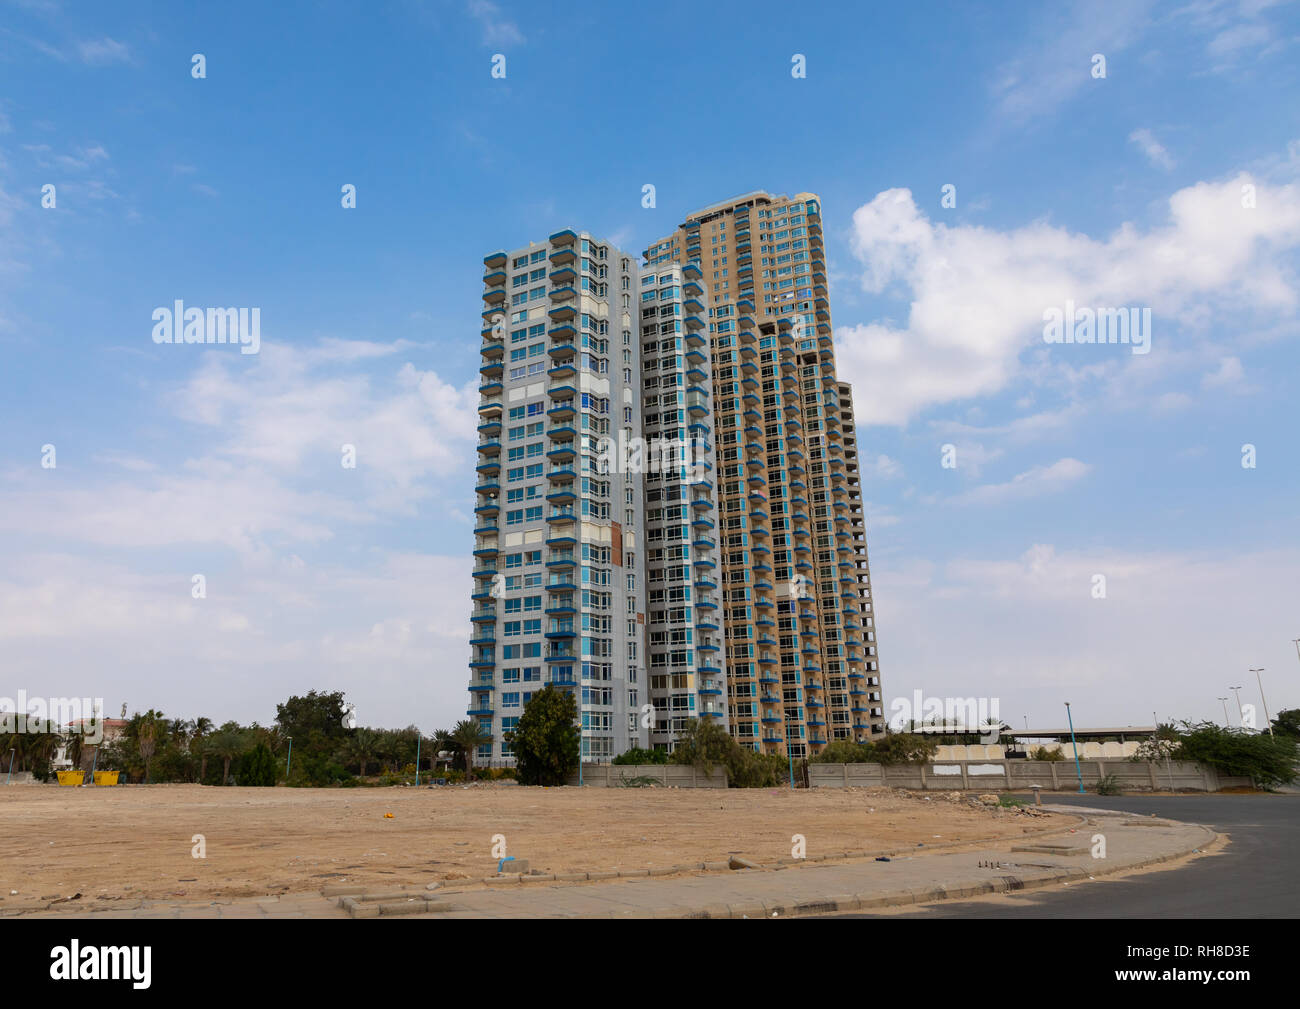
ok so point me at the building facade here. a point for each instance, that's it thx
(669, 517)
(559, 575)
(802, 666)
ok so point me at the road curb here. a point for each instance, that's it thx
(961, 891)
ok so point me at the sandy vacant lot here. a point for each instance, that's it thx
(136, 841)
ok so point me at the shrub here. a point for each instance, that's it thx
(1108, 785)
(316, 770)
(259, 767)
(845, 751)
(636, 755)
(704, 744)
(903, 748)
(1264, 759)
(1043, 753)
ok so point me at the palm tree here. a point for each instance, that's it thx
(151, 725)
(76, 749)
(361, 747)
(442, 743)
(468, 736)
(227, 744)
(198, 738)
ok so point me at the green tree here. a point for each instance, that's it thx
(546, 740)
(468, 736)
(704, 743)
(360, 748)
(226, 744)
(198, 744)
(1264, 759)
(315, 721)
(442, 743)
(1287, 723)
(259, 767)
(148, 727)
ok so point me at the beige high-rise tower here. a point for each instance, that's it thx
(801, 662)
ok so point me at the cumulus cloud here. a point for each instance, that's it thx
(977, 295)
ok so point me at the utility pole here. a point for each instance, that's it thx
(1267, 721)
(1077, 769)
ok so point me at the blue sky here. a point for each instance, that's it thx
(1072, 461)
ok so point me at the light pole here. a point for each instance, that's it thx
(9, 780)
(1267, 721)
(289, 762)
(417, 757)
(1241, 715)
(1226, 723)
(1077, 769)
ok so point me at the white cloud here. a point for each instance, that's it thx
(102, 52)
(1142, 648)
(393, 635)
(882, 467)
(1033, 482)
(1055, 64)
(1154, 150)
(977, 295)
(1229, 376)
(497, 29)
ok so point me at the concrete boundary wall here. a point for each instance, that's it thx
(1003, 775)
(668, 775)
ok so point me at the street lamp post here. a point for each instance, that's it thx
(1226, 723)
(289, 762)
(1267, 721)
(1241, 715)
(1077, 769)
(9, 780)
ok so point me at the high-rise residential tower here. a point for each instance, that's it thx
(801, 660)
(559, 587)
(669, 512)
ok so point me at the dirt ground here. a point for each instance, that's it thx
(137, 841)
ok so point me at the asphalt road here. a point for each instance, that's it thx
(1256, 876)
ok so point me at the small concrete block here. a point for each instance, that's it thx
(740, 863)
(602, 875)
(627, 873)
(570, 876)
(716, 866)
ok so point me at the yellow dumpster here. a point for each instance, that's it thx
(105, 777)
(72, 777)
